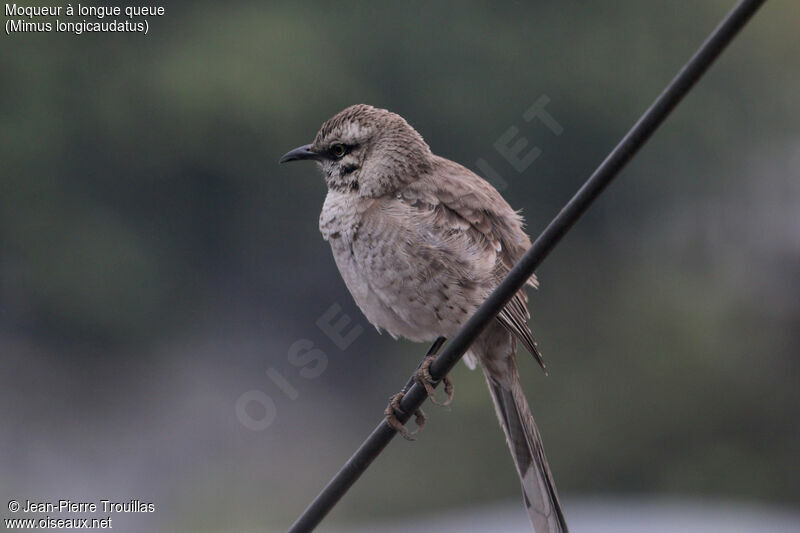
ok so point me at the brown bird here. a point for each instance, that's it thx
(421, 242)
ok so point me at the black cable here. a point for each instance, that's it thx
(544, 244)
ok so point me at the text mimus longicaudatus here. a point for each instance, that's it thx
(421, 241)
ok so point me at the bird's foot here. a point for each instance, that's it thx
(393, 409)
(422, 375)
(424, 378)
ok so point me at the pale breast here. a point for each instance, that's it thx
(341, 223)
(340, 215)
(401, 279)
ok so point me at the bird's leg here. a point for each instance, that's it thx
(393, 409)
(424, 378)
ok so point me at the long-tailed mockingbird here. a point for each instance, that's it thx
(421, 241)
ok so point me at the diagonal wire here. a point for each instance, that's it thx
(544, 244)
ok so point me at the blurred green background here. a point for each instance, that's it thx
(156, 263)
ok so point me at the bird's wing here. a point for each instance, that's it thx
(462, 206)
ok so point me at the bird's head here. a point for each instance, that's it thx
(367, 151)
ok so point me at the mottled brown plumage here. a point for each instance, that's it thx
(421, 241)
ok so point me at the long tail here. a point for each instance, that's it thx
(538, 488)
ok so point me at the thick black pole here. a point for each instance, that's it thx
(544, 244)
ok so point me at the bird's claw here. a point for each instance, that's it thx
(393, 409)
(424, 378)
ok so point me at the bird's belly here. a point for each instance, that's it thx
(405, 298)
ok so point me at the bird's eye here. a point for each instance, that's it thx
(338, 150)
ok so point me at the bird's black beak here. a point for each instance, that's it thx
(303, 152)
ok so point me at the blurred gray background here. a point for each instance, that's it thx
(157, 265)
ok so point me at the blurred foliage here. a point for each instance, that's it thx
(140, 202)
